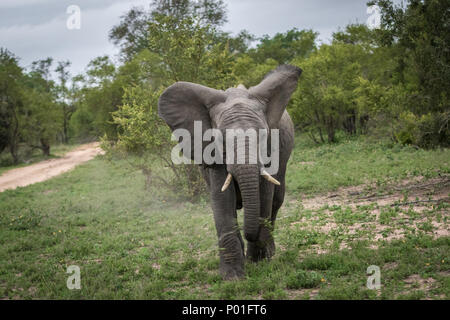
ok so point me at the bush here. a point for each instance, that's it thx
(144, 140)
(426, 131)
(434, 130)
(178, 50)
(407, 131)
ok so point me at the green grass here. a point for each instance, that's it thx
(135, 244)
(357, 161)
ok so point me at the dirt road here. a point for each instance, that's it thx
(47, 169)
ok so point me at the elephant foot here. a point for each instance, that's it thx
(232, 272)
(257, 251)
(231, 257)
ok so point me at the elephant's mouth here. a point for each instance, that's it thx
(237, 189)
(264, 174)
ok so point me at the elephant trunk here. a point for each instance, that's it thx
(247, 176)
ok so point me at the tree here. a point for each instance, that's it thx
(185, 51)
(63, 94)
(357, 34)
(42, 118)
(208, 12)
(11, 102)
(283, 47)
(95, 96)
(420, 30)
(250, 73)
(132, 33)
(238, 44)
(325, 97)
(419, 33)
(178, 51)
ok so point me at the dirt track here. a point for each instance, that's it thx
(47, 169)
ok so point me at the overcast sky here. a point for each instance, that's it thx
(36, 29)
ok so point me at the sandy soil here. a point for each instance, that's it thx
(417, 194)
(47, 169)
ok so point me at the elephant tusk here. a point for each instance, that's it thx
(269, 178)
(227, 182)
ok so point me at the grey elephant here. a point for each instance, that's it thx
(241, 183)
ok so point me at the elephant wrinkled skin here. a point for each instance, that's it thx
(260, 107)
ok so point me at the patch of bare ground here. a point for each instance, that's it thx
(415, 282)
(416, 191)
(303, 294)
(384, 215)
(390, 266)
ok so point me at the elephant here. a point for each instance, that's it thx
(243, 184)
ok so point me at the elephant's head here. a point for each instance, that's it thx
(260, 107)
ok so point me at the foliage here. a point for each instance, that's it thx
(29, 110)
(43, 119)
(325, 97)
(419, 33)
(178, 51)
(64, 101)
(11, 107)
(283, 47)
(95, 95)
(250, 73)
(132, 33)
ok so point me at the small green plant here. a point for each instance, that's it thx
(304, 279)
(426, 226)
(25, 220)
(387, 215)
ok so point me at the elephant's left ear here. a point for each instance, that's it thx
(276, 90)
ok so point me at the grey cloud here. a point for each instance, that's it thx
(269, 17)
(35, 12)
(51, 38)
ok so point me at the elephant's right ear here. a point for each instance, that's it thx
(183, 103)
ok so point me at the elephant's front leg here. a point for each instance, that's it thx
(231, 245)
(264, 248)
